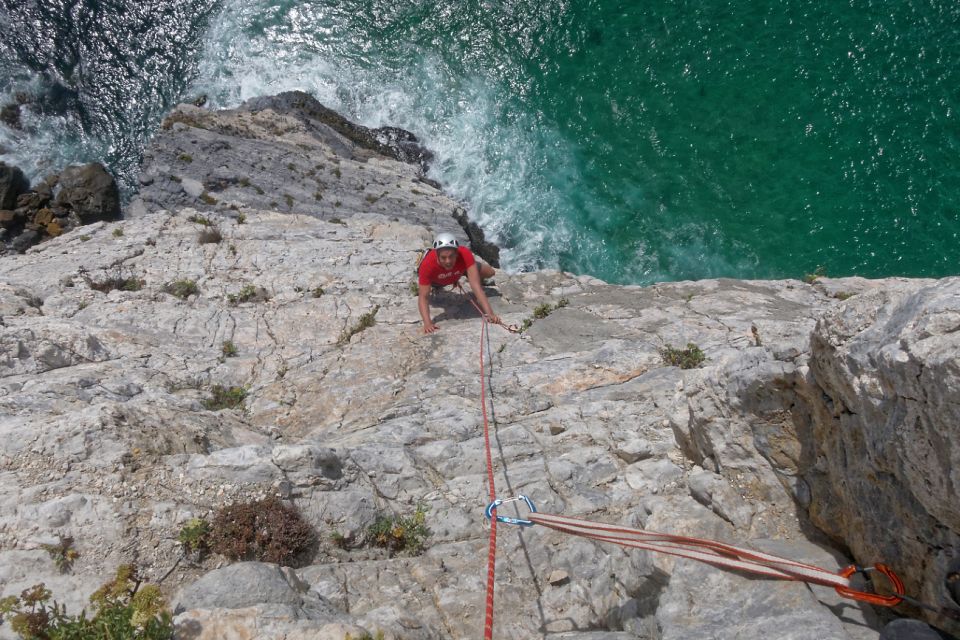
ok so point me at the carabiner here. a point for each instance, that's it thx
(874, 598)
(492, 507)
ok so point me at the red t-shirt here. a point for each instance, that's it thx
(430, 271)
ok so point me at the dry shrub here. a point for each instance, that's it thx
(265, 530)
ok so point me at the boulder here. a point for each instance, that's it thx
(12, 184)
(90, 191)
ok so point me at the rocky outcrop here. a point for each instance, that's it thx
(106, 435)
(81, 194)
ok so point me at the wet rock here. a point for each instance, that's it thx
(89, 191)
(12, 184)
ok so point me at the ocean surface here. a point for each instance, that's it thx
(633, 141)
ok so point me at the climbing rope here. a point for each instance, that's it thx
(492, 549)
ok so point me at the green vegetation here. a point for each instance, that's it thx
(62, 553)
(117, 283)
(247, 293)
(185, 157)
(182, 289)
(118, 233)
(317, 292)
(210, 235)
(229, 349)
(193, 535)
(843, 295)
(258, 190)
(124, 608)
(400, 533)
(241, 218)
(366, 636)
(289, 200)
(689, 358)
(225, 398)
(366, 321)
(337, 221)
(336, 172)
(819, 272)
(265, 530)
(317, 196)
(206, 198)
(84, 238)
(197, 219)
(542, 311)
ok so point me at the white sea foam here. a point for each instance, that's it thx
(487, 153)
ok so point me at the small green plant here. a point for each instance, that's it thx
(843, 295)
(414, 289)
(185, 157)
(84, 238)
(400, 533)
(225, 398)
(289, 200)
(62, 553)
(366, 636)
(365, 321)
(182, 289)
(340, 541)
(336, 172)
(206, 198)
(265, 530)
(317, 196)
(118, 233)
(819, 272)
(193, 535)
(202, 220)
(210, 235)
(338, 204)
(689, 358)
(337, 221)
(258, 190)
(123, 608)
(241, 218)
(317, 292)
(176, 179)
(291, 166)
(247, 293)
(233, 249)
(229, 349)
(541, 311)
(117, 283)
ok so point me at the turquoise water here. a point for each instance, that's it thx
(635, 141)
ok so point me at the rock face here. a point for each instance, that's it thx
(12, 184)
(828, 405)
(89, 191)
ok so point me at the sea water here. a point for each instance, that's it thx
(633, 141)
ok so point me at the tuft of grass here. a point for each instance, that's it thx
(400, 533)
(182, 289)
(337, 221)
(258, 190)
(210, 235)
(202, 220)
(542, 311)
(84, 238)
(241, 218)
(317, 196)
(843, 295)
(289, 200)
(247, 293)
(317, 292)
(176, 179)
(365, 321)
(225, 398)
(117, 283)
(819, 272)
(689, 358)
(185, 157)
(336, 172)
(414, 289)
(118, 233)
(265, 530)
(206, 198)
(62, 553)
(229, 349)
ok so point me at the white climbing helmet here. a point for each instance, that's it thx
(445, 241)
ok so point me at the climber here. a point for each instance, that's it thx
(444, 265)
